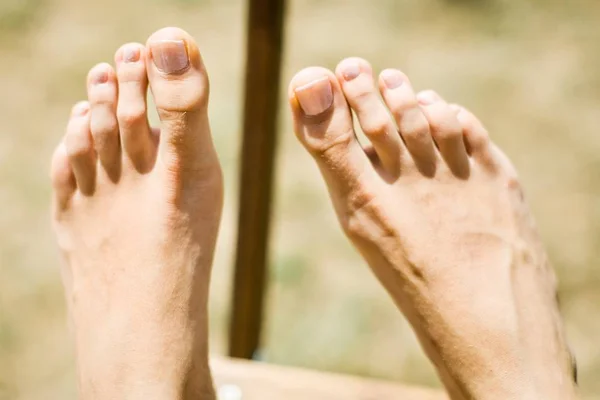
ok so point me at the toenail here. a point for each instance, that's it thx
(81, 109)
(315, 97)
(100, 77)
(351, 70)
(170, 56)
(426, 98)
(131, 54)
(392, 79)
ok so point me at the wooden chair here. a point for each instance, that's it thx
(256, 380)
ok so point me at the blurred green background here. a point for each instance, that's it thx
(529, 69)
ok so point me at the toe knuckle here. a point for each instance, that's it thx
(327, 147)
(477, 140)
(77, 146)
(105, 127)
(361, 94)
(175, 95)
(444, 127)
(377, 126)
(445, 133)
(475, 132)
(417, 128)
(436, 119)
(131, 115)
(400, 108)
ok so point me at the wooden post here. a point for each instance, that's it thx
(263, 66)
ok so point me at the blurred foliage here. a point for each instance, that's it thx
(528, 69)
(17, 15)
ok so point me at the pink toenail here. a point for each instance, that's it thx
(392, 79)
(351, 70)
(80, 109)
(315, 97)
(170, 56)
(131, 54)
(100, 77)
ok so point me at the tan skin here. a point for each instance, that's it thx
(434, 208)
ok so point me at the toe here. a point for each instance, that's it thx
(475, 135)
(323, 123)
(480, 146)
(180, 87)
(79, 146)
(356, 79)
(102, 94)
(412, 124)
(446, 131)
(62, 178)
(138, 144)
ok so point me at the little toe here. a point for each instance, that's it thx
(356, 79)
(62, 178)
(323, 124)
(102, 95)
(476, 137)
(412, 124)
(446, 132)
(139, 145)
(180, 87)
(79, 147)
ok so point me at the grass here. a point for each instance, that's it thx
(530, 71)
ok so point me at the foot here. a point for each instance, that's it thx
(438, 213)
(136, 212)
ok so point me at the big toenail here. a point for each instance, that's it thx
(426, 98)
(392, 79)
(131, 54)
(315, 97)
(100, 77)
(351, 70)
(170, 56)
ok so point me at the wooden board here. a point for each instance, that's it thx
(260, 381)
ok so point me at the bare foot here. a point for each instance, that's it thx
(136, 214)
(438, 213)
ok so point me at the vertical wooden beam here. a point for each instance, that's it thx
(263, 66)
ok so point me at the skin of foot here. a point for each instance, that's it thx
(136, 211)
(438, 213)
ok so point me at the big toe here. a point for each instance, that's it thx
(323, 124)
(179, 85)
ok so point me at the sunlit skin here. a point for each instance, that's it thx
(438, 213)
(432, 205)
(136, 214)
